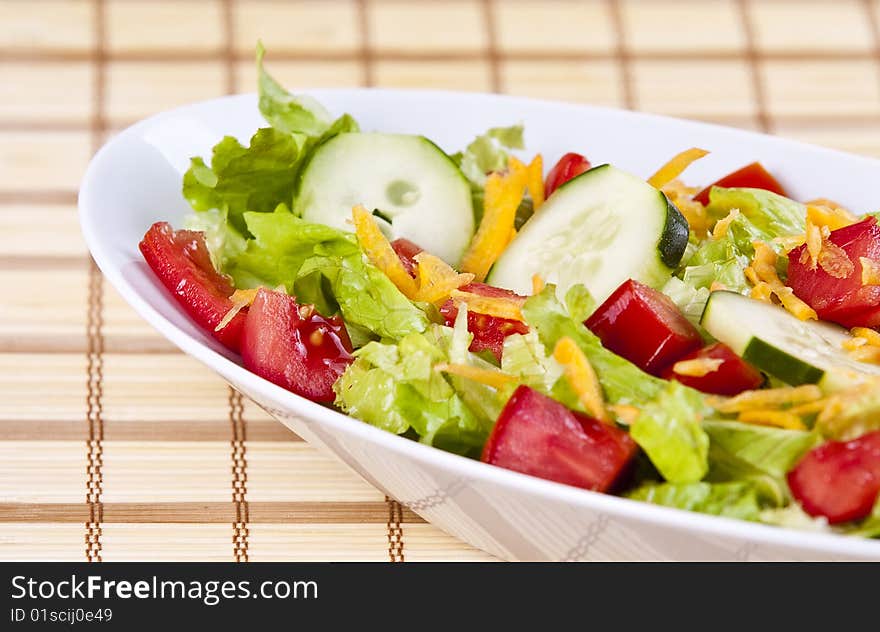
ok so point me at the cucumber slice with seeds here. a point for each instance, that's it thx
(416, 189)
(600, 229)
(795, 351)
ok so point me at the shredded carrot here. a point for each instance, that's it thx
(777, 418)
(535, 181)
(722, 225)
(830, 214)
(489, 377)
(675, 167)
(868, 354)
(503, 194)
(511, 237)
(240, 300)
(853, 343)
(581, 377)
(789, 242)
(717, 286)
(871, 337)
(814, 239)
(810, 408)
(762, 292)
(836, 206)
(537, 284)
(766, 398)
(498, 306)
(870, 271)
(752, 276)
(625, 413)
(763, 268)
(698, 367)
(436, 280)
(380, 253)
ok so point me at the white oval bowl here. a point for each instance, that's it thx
(135, 180)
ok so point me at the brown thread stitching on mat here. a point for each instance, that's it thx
(240, 531)
(229, 46)
(365, 53)
(94, 333)
(622, 55)
(492, 53)
(875, 31)
(753, 58)
(394, 530)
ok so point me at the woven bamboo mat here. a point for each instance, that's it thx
(115, 446)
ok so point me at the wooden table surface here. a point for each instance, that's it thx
(115, 446)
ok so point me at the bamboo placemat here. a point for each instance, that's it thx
(113, 445)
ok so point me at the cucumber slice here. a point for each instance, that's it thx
(419, 193)
(600, 229)
(795, 351)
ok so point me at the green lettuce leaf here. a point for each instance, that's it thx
(668, 429)
(484, 400)
(858, 413)
(793, 517)
(689, 299)
(395, 387)
(525, 358)
(761, 454)
(328, 267)
(489, 152)
(486, 153)
(256, 178)
(622, 381)
(867, 528)
(732, 500)
(771, 214)
(764, 216)
(259, 177)
(724, 259)
(286, 112)
(224, 242)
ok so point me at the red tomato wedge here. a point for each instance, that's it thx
(489, 331)
(752, 176)
(294, 346)
(406, 252)
(569, 166)
(181, 261)
(731, 377)
(644, 326)
(839, 480)
(841, 299)
(539, 436)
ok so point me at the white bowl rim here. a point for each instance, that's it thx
(822, 543)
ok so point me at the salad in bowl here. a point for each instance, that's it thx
(708, 348)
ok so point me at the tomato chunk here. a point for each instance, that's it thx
(569, 166)
(489, 331)
(181, 261)
(644, 326)
(406, 252)
(294, 346)
(539, 436)
(841, 299)
(731, 377)
(752, 176)
(839, 480)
